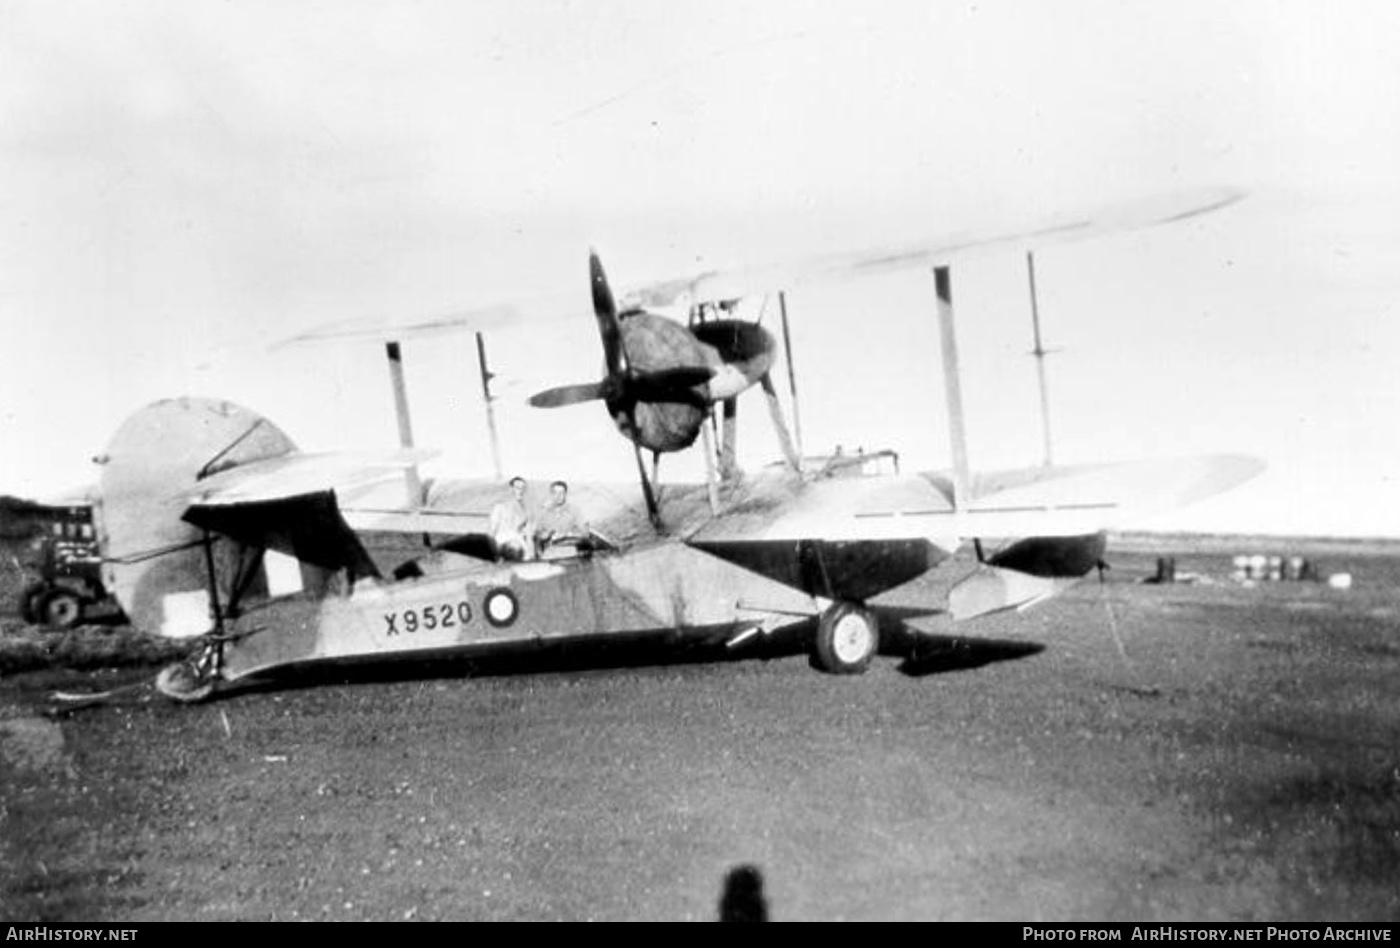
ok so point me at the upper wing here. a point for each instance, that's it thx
(932, 251)
(784, 275)
(537, 310)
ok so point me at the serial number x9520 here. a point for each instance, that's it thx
(427, 618)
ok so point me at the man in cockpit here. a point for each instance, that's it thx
(560, 528)
(513, 524)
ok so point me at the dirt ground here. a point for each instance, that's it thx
(1124, 753)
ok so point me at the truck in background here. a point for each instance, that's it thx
(64, 554)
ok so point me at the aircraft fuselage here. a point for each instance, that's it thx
(480, 606)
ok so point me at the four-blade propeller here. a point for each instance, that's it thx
(655, 384)
(624, 385)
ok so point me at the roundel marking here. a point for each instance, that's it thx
(501, 607)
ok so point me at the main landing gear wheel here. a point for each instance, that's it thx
(60, 609)
(183, 682)
(848, 636)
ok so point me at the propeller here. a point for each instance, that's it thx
(661, 378)
(654, 382)
(622, 387)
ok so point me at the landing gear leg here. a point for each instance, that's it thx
(848, 636)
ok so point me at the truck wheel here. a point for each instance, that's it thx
(848, 636)
(29, 602)
(61, 609)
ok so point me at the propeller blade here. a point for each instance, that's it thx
(563, 395)
(605, 310)
(669, 385)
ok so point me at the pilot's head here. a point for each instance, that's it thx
(558, 492)
(517, 486)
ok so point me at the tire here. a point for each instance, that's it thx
(29, 602)
(848, 637)
(60, 609)
(181, 682)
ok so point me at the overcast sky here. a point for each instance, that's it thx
(183, 184)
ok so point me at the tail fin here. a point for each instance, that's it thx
(155, 563)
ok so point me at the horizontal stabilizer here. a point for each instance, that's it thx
(297, 474)
(421, 520)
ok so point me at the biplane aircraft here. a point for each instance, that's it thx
(216, 528)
